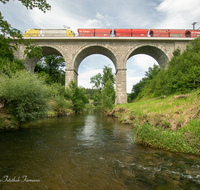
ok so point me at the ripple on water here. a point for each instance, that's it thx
(91, 151)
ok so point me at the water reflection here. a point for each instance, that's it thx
(91, 151)
(89, 129)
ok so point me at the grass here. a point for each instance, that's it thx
(184, 140)
(165, 123)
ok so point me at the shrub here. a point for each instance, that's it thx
(108, 95)
(77, 96)
(26, 94)
(8, 67)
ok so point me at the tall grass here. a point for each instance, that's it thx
(184, 140)
(165, 123)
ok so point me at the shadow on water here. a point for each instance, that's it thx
(89, 151)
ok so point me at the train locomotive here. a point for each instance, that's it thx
(170, 33)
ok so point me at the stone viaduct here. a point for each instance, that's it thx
(117, 49)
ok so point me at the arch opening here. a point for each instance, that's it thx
(50, 51)
(46, 50)
(137, 65)
(155, 52)
(52, 64)
(91, 66)
(140, 59)
(91, 50)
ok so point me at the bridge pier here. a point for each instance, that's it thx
(31, 63)
(121, 95)
(70, 74)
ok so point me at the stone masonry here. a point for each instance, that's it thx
(117, 49)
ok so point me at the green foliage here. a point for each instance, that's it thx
(105, 92)
(8, 67)
(178, 78)
(182, 140)
(108, 95)
(77, 96)
(90, 93)
(57, 90)
(107, 75)
(5, 51)
(100, 80)
(97, 81)
(149, 75)
(30, 4)
(52, 65)
(62, 106)
(26, 94)
(8, 34)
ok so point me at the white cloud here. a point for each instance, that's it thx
(179, 13)
(99, 21)
(131, 81)
(56, 18)
(84, 78)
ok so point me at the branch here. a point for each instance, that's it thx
(195, 113)
(196, 80)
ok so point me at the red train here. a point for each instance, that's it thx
(139, 33)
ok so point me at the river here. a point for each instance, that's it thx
(89, 152)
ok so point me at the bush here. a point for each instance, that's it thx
(108, 96)
(77, 96)
(26, 95)
(8, 67)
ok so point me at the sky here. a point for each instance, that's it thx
(163, 14)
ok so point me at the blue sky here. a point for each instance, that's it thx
(173, 14)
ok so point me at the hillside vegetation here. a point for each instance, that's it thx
(181, 76)
(166, 104)
(26, 97)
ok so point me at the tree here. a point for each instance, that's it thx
(108, 95)
(8, 34)
(52, 65)
(77, 96)
(96, 80)
(107, 74)
(179, 76)
(152, 71)
(100, 83)
(149, 75)
(90, 92)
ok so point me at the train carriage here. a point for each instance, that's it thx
(159, 33)
(139, 32)
(85, 32)
(103, 32)
(177, 33)
(122, 32)
(192, 33)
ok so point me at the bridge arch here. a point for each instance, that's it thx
(46, 50)
(158, 53)
(86, 51)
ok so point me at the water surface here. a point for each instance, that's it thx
(89, 151)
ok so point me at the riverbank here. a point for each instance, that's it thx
(171, 123)
(8, 121)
